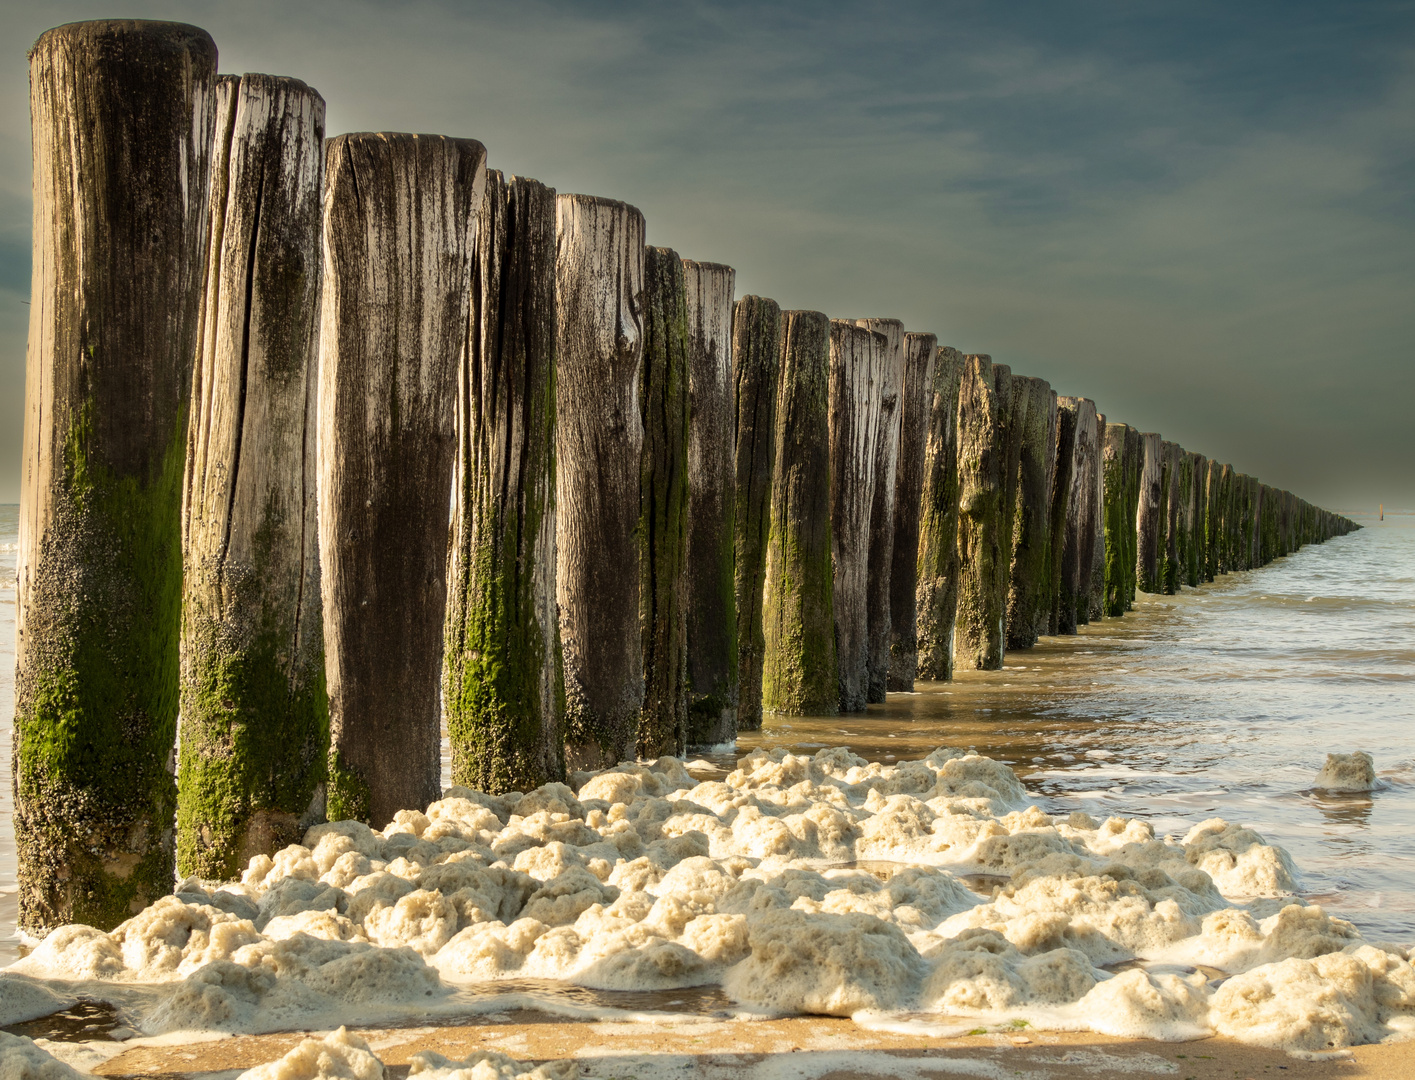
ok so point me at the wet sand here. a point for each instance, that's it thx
(805, 1047)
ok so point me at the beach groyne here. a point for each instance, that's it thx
(377, 438)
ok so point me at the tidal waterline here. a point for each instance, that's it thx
(1220, 702)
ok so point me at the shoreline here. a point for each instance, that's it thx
(795, 1047)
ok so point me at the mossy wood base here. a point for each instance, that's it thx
(122, 118)
(255, 718)
(503, 688)
(401, 215)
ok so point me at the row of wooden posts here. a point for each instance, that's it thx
(259, 363)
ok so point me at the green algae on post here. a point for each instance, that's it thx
(1115, 473)
(1030, 548)
(756, 361)
(122, 116)
(712, 479)
(255, 718)
(936, 595)
(799, 672)
(503, 687)
(401, 214)
(598, 445)
(663, 507)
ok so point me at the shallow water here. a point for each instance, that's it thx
(1222, 701)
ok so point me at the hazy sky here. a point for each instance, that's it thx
(1202, 215)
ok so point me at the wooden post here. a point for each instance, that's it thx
(1135, 470)
(1069, 503)
(857, 360)
(916, 402)
(663, 507)
(1061, 458)
(799, 672)
(888, 390)
(1213, 524)
(936, 595)
(1116, 448)
(1197, 508)
(1094, 581)
(712, 482)
(1170, 526)
(979, 640)
(1030, 549)
(756, 362)
(503, 688)
(400, 227)
(599, 434)
(121, 116)
(1014, 400)
(255, 718)
(1149, 518)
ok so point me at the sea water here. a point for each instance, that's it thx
(1220, 702)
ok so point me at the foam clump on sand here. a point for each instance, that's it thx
(819, 884)
(21, 1059)
(344, 1056)
(488, 1065)
(1348, 772)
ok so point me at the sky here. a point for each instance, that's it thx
(1199, 214)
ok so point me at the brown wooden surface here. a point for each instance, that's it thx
(936, 594)
(916, 405)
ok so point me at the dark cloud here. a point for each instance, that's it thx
(1199, 213)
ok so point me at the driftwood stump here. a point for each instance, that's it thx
(599, 438)
(663, 507)
(1149, 516)
(503, 688)
(858, 357)
(979, 638)
(1062, 495)
(121, 116)
(916, 404)
(712, 483)
(936, 595)
(1098, 551)
(255, 718)
(1030, 550)
(400, 226)
(756, 361)
(799, 673)
(888, 391)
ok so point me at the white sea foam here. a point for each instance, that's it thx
(1348, 772)
(819, 884)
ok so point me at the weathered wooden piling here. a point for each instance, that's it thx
(1197, 509)
(400, 226)
(1115, 484)
(503, 688)
(712, 481)
(1171, 456)
(1069, 504)
(888, 389)
(858, 358)
(1094, 581)
(663, 507)
(916, 404)
(598, 446)
(1030, 549)
(121, 117)
(979, 637)
(1134, 482)
(799, 671)
(1213, 524)
(936, 593)
(756, 363)
(1014, 397)
(1149, 518)
(255, 718)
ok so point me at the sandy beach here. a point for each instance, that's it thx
(814, 1047)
